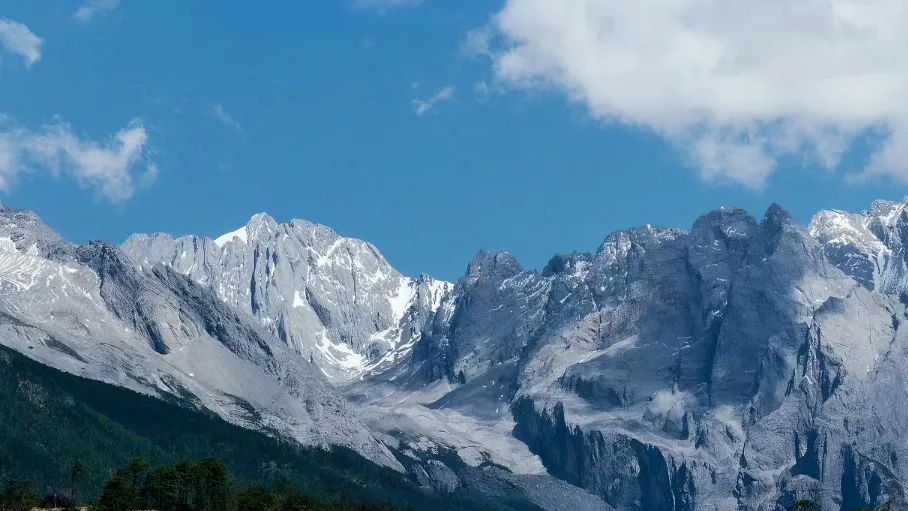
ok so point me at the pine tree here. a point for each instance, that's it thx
(17, 496)
(74, 472)
(256, 498)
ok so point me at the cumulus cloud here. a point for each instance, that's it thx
(115, 167)
(736, 85)
(91, 8)
(424, 106)
(17, 39)
(222, 115)
(383, 5)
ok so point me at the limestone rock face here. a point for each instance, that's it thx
(868, 246)
(335, 300)
(740, 365)
(89, 311)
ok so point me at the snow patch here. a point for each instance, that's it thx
(340, 355)
(20, 271)
(439, 289)
(402, 298)
(327, 257)
(239, 234)
(298, 301)
(7, 245)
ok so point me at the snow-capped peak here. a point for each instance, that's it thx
(331, 298)
(867, 246)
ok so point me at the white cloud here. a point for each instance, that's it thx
(383, 5)
(478, 42)
(424, 106)
(115, 167)
(222, 115)
(19, 40)
(735, 84)
(91, 8)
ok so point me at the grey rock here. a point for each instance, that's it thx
(441, 477)
(333, 300)
(731, 367)
(22, 230)
(88, 311)
(868, 246)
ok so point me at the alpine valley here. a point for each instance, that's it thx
(742, 364)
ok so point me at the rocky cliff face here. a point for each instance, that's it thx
(332, 299)
(89, 311)
(868, 246)
(729, 367)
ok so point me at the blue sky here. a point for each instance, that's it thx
(325, 111)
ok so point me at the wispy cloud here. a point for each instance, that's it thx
(114, 168)
(91, 8)
(478, 42)
(17, 39)
(424, 106)
(383, 5)
(708, 77)
(483, 90)
(222, 115)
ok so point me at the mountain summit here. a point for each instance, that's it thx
(89, 311)
(333, 300)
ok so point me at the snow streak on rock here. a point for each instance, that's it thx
(332, 299)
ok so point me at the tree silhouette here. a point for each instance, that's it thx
(256, 498)
(74, 473)
(17, 496)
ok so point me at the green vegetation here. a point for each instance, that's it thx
(205, 486)
(17, 496)
(67, 435)
(807, 505)
(202, 486)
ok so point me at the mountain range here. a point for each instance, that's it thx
(740, 364)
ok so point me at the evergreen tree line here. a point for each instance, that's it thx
(199, 486)
(19, 494)
(809, 505)
(49, 418)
